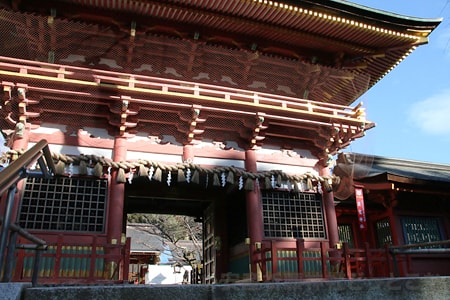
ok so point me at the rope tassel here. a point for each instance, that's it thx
(309, 184)
(328, 185)
(195, 177)
(249, 184)
(230, 178)
(279, 180)
(268, 182)
(158, 174)
(82, 168)
(121, 178)
(216, 181)
(59, 167)
(296, 187)
(143, 171)
(181, 177)
(98, 170)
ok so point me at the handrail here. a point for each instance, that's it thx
(408, 249)
(426, 244)
(25, 234)
(38, 246)
(11, 175)
(14, 171)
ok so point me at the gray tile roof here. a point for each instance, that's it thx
(143, 240)
(364, 166)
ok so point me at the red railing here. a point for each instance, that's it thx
(66, 262)
(33, 72)
(279, 262)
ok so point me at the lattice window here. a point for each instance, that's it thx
(383, 231)
(64, 204)
(421, 229)
(345, 232)
(292, 215)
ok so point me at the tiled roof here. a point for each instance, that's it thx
(365, 166)
(143, 240)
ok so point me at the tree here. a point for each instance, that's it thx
(174, 231)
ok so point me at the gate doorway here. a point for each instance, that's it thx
(165, 249)
(208, 205)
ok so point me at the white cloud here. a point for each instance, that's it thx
(432, 115)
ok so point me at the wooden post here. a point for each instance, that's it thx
(323, 255)
(116, 204)
(263, 261)
(116, 198)
(388, 269)
(330, 212)
(369, 268)
(300, 259)
(126, 263)
(254, 211)
(188, 153)
(348, 270)
(92, 264)
(274, 259)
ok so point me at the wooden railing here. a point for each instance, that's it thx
(65, 262)
(38, 73)
(427, 248)
(295, 263)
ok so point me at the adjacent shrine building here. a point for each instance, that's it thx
(229, 111)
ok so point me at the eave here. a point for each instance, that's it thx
(381, 173)
(360, 43)
(395, 183)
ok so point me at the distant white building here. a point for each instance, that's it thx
(168, 274)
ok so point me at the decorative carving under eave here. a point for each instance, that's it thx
(194, 130)
(14, 108)
(258, 131)
(122, 123)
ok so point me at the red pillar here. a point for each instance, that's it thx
(116, 195)
(116, 214)
(391, 198)
(254, 212)
(330, 211)
(188, 153)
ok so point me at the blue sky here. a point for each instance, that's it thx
(411, 105)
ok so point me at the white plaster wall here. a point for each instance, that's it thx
(168, 158)
(288, 169)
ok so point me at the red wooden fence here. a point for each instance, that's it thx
(280, 262)
(73, 263)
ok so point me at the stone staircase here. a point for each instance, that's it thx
(413, 288)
